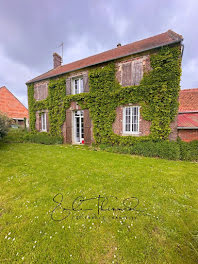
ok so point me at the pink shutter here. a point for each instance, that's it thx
(68, 86)
(87, 127)
(126, 74)
(68, 126)
(85, 83)
(137, 72)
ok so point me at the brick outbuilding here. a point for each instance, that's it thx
(12, 107)
(187, 121)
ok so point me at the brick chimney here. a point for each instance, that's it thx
(118, 45)
(57, 60)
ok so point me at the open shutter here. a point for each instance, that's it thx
(68, 86)
(126, 74)
(85, 83)
(87, 127)
(37, 121)
(68, 126)
(137, 72)
(47, 121)
(40, 125)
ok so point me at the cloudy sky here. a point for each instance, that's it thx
(30, 31)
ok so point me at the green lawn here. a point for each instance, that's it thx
(162, 228)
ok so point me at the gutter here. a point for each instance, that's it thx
(188, 112)
(159, 46)
(187, 127)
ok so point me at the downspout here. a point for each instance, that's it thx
(182, 51)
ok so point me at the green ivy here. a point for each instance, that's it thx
(157, 94)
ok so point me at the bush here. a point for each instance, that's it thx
(43, 138)
(4, 125)
(188, 150)
(15, 135)
(22, 135)
(163, 149)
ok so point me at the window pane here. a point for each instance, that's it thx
(132, 119)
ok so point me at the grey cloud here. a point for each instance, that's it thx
(30, 31)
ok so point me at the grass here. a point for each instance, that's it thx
(162, 229)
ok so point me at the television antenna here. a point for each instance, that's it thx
(61, 45)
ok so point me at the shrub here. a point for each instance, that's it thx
(15, 135)
(43, 138)
(163, 149)
(188, 150)
(22, 135)
(4, 125)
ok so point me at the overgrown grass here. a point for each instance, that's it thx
(162, 229)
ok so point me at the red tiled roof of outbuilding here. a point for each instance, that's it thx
(10, 105)
(187, 120)
(157, 41)
(188, 100)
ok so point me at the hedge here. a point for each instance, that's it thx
(22, 135)
(163, 149)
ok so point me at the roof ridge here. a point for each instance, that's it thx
(189, 90)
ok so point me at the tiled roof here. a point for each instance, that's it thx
(188, 120)
(188, 100)
(160, 40)
(10, 105)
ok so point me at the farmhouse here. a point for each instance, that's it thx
(124, 94)
(12, 107)
(188, 115)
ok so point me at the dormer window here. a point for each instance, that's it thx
(77, 85)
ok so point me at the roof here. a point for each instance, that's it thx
(188, 100)
(10, 105)
(188, 109)
(157, 41)
(187, 120)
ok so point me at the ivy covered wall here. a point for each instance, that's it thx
(157, 94)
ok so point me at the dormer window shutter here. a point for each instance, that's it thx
(137, 71)
(85, 83)
(126, 74)
(68, 86)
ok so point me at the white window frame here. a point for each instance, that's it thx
(81, 85)
(43, 122)
(131, 120)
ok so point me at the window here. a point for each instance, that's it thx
(41, 91)
(77, 86)
(131, 119)
(43, 122)
(132, 72)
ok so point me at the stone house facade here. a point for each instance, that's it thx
(131, 61)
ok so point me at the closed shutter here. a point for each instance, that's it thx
(126, 74)
(68, 126)
(137, 72)
(36, 93)
(87, 127)
(45, 91)
(68, 86)
(85, 83)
